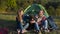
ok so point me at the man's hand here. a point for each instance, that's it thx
(33, 21)
(38, 20)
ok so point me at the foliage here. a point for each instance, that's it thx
(11, 4)
(51, 10)
(58, 11)
(14, 5)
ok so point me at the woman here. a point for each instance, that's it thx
(20, 19)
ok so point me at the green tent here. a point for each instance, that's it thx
(34, 8)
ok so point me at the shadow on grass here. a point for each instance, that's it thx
(11, 25)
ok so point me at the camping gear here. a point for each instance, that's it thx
(52, 23)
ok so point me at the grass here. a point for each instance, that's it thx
(8, 21)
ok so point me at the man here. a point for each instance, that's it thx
(41, 20)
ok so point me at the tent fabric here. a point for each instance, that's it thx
(34, 9)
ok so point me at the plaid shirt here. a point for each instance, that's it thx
(41, 19)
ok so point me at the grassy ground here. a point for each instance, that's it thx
(8, 21)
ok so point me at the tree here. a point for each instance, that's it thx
(43, 2)
(51, 11)
(58, 11)
(3, 5)
(11, 4)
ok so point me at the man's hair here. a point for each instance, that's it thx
(31, 16)
(41, 10)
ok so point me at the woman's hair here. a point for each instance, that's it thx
(19, 11)
(18, 14)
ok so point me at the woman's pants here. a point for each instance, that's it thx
(22, 27)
